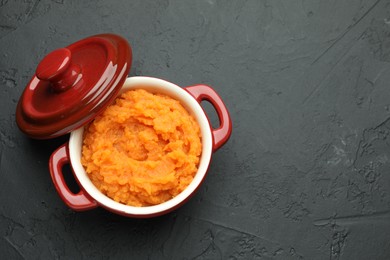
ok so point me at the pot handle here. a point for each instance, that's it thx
(78, 202)
(223, 132)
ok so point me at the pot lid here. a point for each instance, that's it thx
(72, 85)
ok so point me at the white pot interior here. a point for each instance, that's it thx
(153, 85)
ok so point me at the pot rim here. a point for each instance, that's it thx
(191, 104)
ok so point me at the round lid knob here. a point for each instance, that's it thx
(54, 64)
(57, 69)
(72, 85)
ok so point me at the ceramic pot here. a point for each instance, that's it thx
(90, 197)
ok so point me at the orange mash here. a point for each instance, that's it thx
(142, 150)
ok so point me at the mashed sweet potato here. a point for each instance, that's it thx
(142, 150)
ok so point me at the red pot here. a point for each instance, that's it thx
(74, 84)
(212, 139)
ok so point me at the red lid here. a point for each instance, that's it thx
(72, 85)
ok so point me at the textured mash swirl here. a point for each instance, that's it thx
(142, 150)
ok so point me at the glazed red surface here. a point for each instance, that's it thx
(72, 85)
(80, 201)
(205, 93)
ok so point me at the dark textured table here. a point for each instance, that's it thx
(306, 173)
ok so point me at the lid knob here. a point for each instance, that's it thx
(57, 68)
